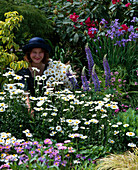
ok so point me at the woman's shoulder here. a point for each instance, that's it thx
(23, 71)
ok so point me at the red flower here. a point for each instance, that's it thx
(81, 23)
(70, 1)
(124, 27)
(74, 17)
(88, 22)
(75, 26)
(137, 29)
(128, 4)
(91, 32)
(115, 1)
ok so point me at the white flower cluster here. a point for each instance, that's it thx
(56, 74)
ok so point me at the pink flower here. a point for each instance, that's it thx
(136, 83)
(117, 110)
(91, 32)
(59, 144)
(47, 141)
(119, 80)
(115, 1)
(74, 17)
(62, 147)
(128, 4)
(116, 73)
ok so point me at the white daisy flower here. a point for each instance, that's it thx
(44, 114)
(29, 135)
(132, 145)
(130, 134)
(111, 141)
(35, 69)
(58, 128)
(125, 125)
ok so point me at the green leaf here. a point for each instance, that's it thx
(76, 37)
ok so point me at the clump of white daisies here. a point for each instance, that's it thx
(58, 73)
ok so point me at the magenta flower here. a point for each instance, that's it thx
(91, 32)
(119, 80)
(47, 141)
(116, 73)
(4, 166)
(128, 4)
(115, 1)
(74, 17)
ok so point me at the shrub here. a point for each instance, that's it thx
(35, 22)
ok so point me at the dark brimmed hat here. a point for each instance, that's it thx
(36, 42)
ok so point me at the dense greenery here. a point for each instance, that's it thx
(77, 126)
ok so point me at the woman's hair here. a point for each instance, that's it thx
(44, 61)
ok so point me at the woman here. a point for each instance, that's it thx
(37, 54)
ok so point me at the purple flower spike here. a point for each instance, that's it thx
(89, 58)
(84, 80)
(95, 79)
(72, 79)
(107, 71)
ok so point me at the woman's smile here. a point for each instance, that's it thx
(37, 55)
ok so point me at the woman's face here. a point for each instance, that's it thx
(37, 55)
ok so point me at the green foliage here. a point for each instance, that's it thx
(129, 117)
(8, 44)
(35, 22)
(94, 152)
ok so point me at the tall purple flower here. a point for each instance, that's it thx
(89, 58)
(107, 71)
(72, 79)
(84, 80)
(95, 79)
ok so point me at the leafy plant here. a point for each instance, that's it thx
(8, 45)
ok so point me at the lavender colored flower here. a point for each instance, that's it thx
(134, 19)
(56, 163)
(89, 58)
(42, 159)
(107, 71)
(84, 80)
(64, 163)
(95, 79)
(72, 79)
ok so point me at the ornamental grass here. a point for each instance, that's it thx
(126, 161)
